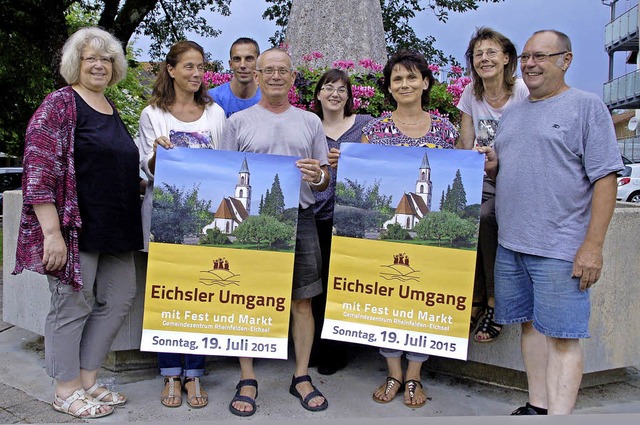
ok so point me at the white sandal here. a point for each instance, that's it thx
(89, 405)
(121, 398)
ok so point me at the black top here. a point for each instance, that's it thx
(107, 182)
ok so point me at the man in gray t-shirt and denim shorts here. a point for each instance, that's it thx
(555, 163)
(274, 126)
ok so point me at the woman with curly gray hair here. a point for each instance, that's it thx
(81, 222)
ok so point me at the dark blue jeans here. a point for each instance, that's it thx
(176, 364)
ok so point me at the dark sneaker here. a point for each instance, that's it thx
(528, 409)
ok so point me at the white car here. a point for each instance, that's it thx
(629, 184)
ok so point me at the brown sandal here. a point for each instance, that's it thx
(172, 390)
(411, 386)
(197, 392)
(386, 387)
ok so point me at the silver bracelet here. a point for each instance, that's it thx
(321, 180)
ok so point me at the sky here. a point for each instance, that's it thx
(396, 168)
(582, 20)
(185, 167)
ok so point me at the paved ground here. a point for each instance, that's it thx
(26, 391)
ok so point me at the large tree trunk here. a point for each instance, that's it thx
(339, 30)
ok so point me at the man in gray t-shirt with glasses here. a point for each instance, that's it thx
(555, 164)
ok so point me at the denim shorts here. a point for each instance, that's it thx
(539, 289)
(307, 267)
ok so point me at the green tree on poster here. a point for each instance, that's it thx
(273, 204)
(455, 200)
(264, 230)
(178, 213)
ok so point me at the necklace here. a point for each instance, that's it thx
(410, 123)
(493, 99)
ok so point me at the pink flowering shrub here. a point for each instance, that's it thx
(343, 65)
(215, 79)
(371, 65)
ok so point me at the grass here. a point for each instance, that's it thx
(434, 242)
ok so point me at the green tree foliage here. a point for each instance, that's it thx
(264, 230)
(396, 20)
(455, 200)
(360, 207)
(178, 213)
(471, 212)
(396, 232)
(214, 237)
(273, 204)
(445, 226)
(33, 32)
(290, 216)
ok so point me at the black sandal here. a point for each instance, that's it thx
(244, 398)
(314, 393)
(473, 322)
(488, 326)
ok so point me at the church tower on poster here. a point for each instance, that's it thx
(243, 187)
(413, 206)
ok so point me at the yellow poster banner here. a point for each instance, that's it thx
(221, 286)
(402, 264)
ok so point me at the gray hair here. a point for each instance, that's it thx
(102, 42)
(564, 42)
(273, 50)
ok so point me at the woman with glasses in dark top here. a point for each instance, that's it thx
(333, 103)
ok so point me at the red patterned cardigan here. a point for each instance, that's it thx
(49, 176)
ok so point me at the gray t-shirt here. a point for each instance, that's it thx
(293, 132)
(550, 153)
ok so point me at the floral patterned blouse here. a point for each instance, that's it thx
(383, 131)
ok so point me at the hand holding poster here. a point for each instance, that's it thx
(220, 266)
(402, 264)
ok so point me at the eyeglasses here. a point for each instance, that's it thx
(270, 71)
(342, 91)
(539, 57)
(92, 60)
(491, 53)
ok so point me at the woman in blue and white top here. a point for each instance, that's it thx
(493, 60)
(180, 113)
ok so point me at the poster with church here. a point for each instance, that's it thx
(221, 253)
(403, 251)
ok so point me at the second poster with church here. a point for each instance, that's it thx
(403, 251)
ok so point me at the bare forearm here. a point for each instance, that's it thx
(587, 263)
(54, 255)
(48, 218)
(467, 133)
(602, 205)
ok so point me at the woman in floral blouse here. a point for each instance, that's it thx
(407, 83)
